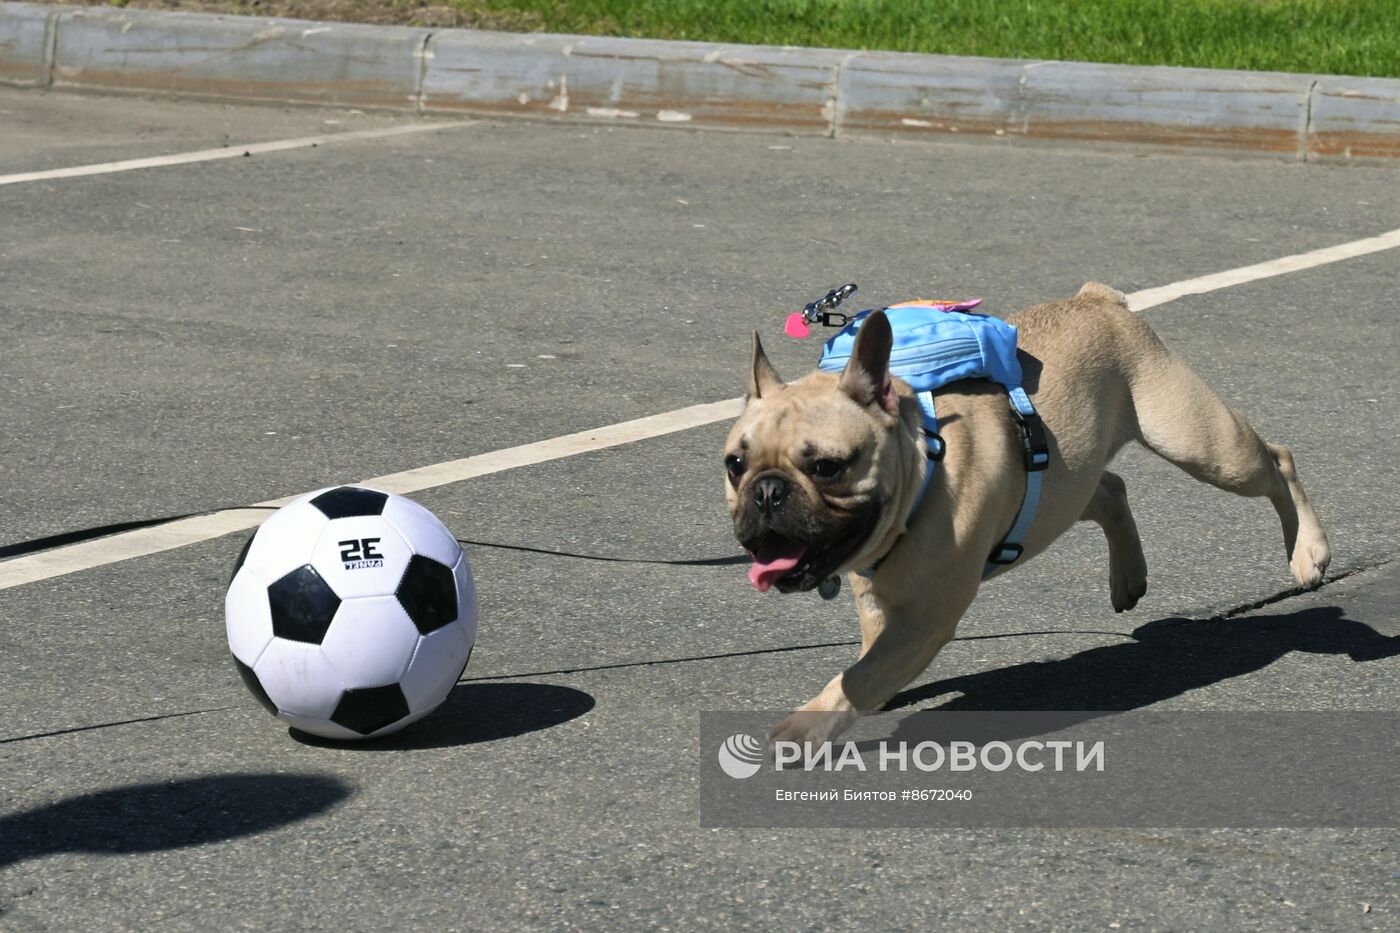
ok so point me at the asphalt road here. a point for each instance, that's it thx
(199, 336)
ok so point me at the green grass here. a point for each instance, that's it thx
(1359, 37)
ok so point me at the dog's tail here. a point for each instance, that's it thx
(1099, 290)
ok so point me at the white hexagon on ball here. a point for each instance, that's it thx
(466, 594)
(438, 663)
(362, 556)
(285, 539)
(299, 679)
(247, 601)
(376, 620)
(422, 527)
(352, 613)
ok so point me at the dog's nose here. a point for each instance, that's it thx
(769, 493)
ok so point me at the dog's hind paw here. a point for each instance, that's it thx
(1125, 594)
(1127, 579)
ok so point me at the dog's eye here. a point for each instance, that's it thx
(735, 465)
(826, 468)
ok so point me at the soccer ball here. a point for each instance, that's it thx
(351, 613)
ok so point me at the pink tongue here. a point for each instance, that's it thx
(773, 562)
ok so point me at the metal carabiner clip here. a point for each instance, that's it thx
(823, 310)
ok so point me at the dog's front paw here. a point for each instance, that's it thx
(810, 728)
(1311, 555)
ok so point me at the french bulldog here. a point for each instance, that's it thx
(822, 474)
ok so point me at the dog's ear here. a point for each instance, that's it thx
(763, 378)
(866, 377)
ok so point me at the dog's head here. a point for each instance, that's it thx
(816, 473)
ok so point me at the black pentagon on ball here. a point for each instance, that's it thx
(255, 687)
(303, 605)
(369, 709)
(350, 502)
(428, 594)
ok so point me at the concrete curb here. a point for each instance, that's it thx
(820, 92)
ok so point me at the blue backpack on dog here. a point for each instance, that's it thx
(935, 343)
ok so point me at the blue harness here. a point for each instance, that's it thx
(936, 343)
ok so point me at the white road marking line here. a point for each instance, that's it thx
(1151, 297)
(119, 547)
(556, 448)
(145, 541)
(141, 542)
(227, 152)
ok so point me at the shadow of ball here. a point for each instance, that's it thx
(477, 712)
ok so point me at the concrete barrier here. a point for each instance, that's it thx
(633, 80)
(1354, 118)
(822, 92)
(26, 44)
(239, 57)
(887, 94)
(1194, 108)
(895, 94)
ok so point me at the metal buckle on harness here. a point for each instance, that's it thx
(1034, 447)
(1005, 554)
(935, 445)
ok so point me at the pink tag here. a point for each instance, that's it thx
(796, 327)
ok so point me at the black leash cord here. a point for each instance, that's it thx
(693, 562)
(100, 531)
